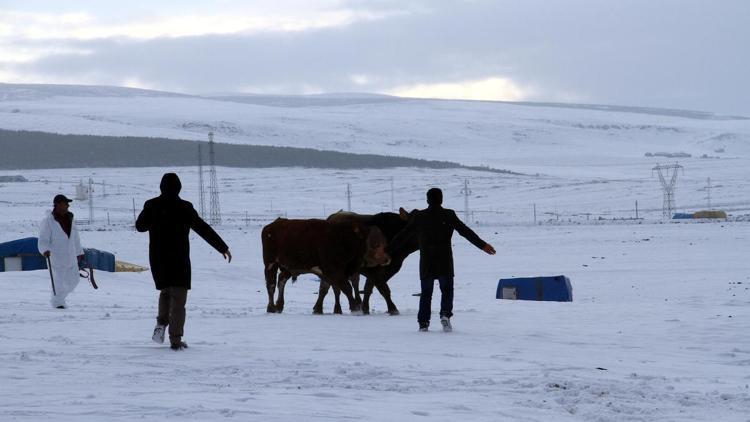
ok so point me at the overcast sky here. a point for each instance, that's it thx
(692, 54)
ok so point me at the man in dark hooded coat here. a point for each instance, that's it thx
(434, 228)
(168, 219)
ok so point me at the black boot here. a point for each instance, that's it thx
(178, 345)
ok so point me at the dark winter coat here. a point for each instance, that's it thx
(168, 220)
(434, 228)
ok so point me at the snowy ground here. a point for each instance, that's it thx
(657, 329)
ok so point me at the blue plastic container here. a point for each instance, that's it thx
(98, 260)
(21, 255)
(556, 288)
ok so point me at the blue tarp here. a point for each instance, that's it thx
(98, 260)
(682, 215)
(557, 288)
(26, 253)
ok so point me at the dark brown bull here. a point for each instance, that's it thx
(332, 251)
(377, 277)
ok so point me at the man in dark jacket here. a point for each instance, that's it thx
(168, 219)
(434, 228)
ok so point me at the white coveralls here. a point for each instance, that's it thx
(64, 253)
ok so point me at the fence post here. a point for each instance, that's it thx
(134, 213)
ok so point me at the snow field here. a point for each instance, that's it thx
(657, 329)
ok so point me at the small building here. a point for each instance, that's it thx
(556, 288)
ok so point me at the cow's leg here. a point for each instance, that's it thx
(386, 292)
(337, 299)
(284, 276)
(366, 297)
(270, 271)
(322, 292)
(346, 288)
(355, 286)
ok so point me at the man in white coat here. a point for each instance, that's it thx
(60, 242)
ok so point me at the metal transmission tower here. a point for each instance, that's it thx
(665, 172)
(466, 191)
(213, 187)
(201, 189)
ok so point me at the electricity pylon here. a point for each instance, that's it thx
(668, 178)
(213, 186)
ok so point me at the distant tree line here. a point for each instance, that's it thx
(39, 150)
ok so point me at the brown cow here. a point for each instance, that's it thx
(332, 251)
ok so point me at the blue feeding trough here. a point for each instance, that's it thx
(556, 288)
(98, 260)
(21, 255)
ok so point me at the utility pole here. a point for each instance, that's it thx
(393, 205)
(708, 192)
(636, 210)
(91, 200)
(466, 191)
(134, 212)
(665, 172)
(348, 197)
(535, 214)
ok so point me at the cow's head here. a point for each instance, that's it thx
(376, 244)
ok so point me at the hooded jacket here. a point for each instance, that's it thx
(168, 220)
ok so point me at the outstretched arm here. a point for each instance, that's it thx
(209, 235)
(469, 234)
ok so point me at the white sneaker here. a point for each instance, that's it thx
(159, 331)
(447, 327)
